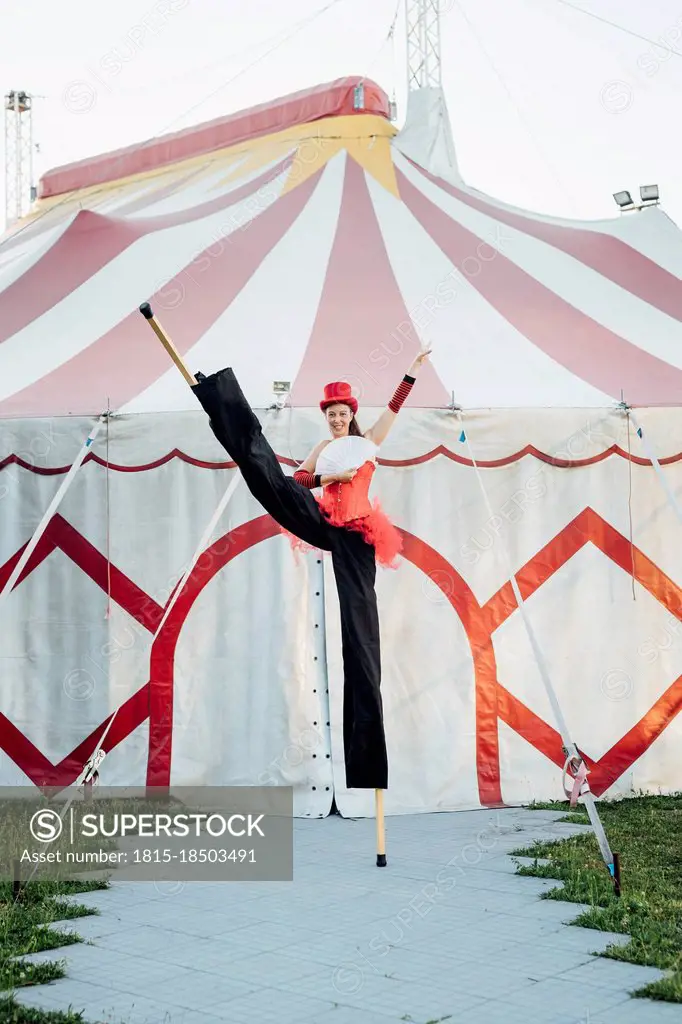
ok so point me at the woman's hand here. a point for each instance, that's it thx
(425, 352)
(338, 478)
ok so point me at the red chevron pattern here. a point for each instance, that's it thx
(154, 699)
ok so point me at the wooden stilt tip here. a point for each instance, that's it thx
(381, 832)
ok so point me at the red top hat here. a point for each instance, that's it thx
(339, 391)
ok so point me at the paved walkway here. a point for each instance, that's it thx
(349, 943)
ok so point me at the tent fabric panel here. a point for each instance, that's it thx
(263, 341)
(326, 100)
(615, 301)
(479, 355)
(243, 639)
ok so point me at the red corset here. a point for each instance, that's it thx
(344, 502)
(348, 506)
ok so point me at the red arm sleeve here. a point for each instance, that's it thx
(306, 479)
(401, 393)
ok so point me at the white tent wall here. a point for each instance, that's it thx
(253, 654)
(245, 681)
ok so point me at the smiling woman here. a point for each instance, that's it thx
(344, 467)
(342, 521)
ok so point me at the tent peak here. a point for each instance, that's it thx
(329, 99)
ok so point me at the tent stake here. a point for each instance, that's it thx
(616, 874)
(16, 881)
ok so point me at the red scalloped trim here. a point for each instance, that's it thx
(417, 460)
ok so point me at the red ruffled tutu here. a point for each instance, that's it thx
(376, 528)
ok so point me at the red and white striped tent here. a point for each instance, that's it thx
(309, 240)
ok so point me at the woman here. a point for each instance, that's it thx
(341, 521)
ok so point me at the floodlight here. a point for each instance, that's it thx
(623, 199)
(648, 193)
(281, 389)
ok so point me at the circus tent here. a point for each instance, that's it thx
(303, 241)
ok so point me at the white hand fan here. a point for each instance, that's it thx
(345, 453)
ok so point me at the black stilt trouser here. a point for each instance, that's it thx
(294, 508)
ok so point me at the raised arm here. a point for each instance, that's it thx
(379, 431)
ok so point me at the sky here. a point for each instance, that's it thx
(551, 109)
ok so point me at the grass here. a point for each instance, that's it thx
(647, 833)
(23, 930)
(13, 1013)
(23, 925)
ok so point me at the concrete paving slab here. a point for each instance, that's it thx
(446, 932)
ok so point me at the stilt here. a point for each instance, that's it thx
(381, 830)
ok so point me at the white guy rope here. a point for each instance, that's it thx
(574, 761)
(54, 505)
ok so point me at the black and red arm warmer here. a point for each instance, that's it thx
(307, 479)
(401, 393)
